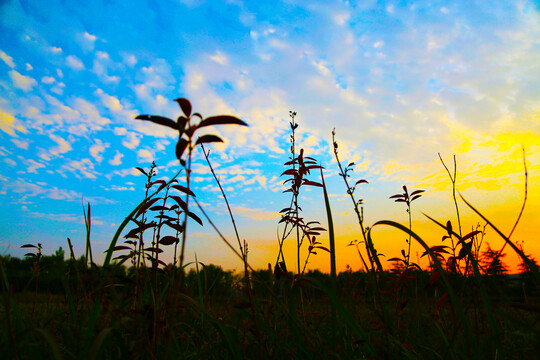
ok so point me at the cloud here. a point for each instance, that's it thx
(48, 80)
(74, 63)
(117, 159)
(87, 41)
(83, 167)
(21, 144)
(91, 115)
(62, 146)
(255, 214)
(25, 83)
(109, 101)
(101, 67)
(33, 166)
(132, 140)
(219, 58)
(7, 59)
(145, 155)
(29, 67)
(9, 124)
(98, 149)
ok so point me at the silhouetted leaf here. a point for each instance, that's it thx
(195, 217)
(175, 226)
(141, 170)
(417, 192)
(221, 120)
(154, 250)
(208, 139)
(158, 208)
(168, 240)
(161, 120)
(181, 146)
(28, 246)
(121, 247)
(183, 189)
(361, 182)
(146, 206)
(415, 197)
(312, 183)
(471, 234)
(185, 105)
(180, 201)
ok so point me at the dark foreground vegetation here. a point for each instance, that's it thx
(135, 306)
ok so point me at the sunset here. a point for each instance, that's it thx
(406, 87)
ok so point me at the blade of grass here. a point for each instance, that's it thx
(53, 344)
(333, 275)
(97, 344)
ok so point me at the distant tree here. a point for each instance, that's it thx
(492, 263)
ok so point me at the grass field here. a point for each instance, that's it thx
(134, 305)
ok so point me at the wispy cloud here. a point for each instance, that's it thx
(23, 82)
(74, 63)
(7, 59)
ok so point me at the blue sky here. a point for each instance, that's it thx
(400, 82)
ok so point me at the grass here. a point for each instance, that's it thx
(462, 307)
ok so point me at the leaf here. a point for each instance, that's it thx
(181, 146)
(204, 139)
(415, 197)
(28, 246)
(471, 234)
(141, 170)
(146, 206)
(361, 182)
(180, 201)
(397, 196)
(175, 226)
(183, 189)
(168, 240)
(312, 183)
(121, 247)
(195, 217)
(161, 120)
(154, 250)
(185, 105)
(158, 208)
(416, 192)
(222, 120)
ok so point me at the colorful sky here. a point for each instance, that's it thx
(399, 81)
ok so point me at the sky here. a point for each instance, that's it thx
(399, 81)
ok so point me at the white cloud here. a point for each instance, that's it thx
(48, 79)
(25, 83)
(255, 214)
(62, 146)
(131, 141)
(91, 115)
(29, 67)
(378, 44)
(145, 155)
(84, 167)
(74, 63)
(9, 124)
(219, 58)
(117, 159)
(21, 144)
(111, 102)
(7, 59)
(98, 149)
(55, 50)
(33, 166)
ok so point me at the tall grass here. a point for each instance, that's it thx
(154, 310)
